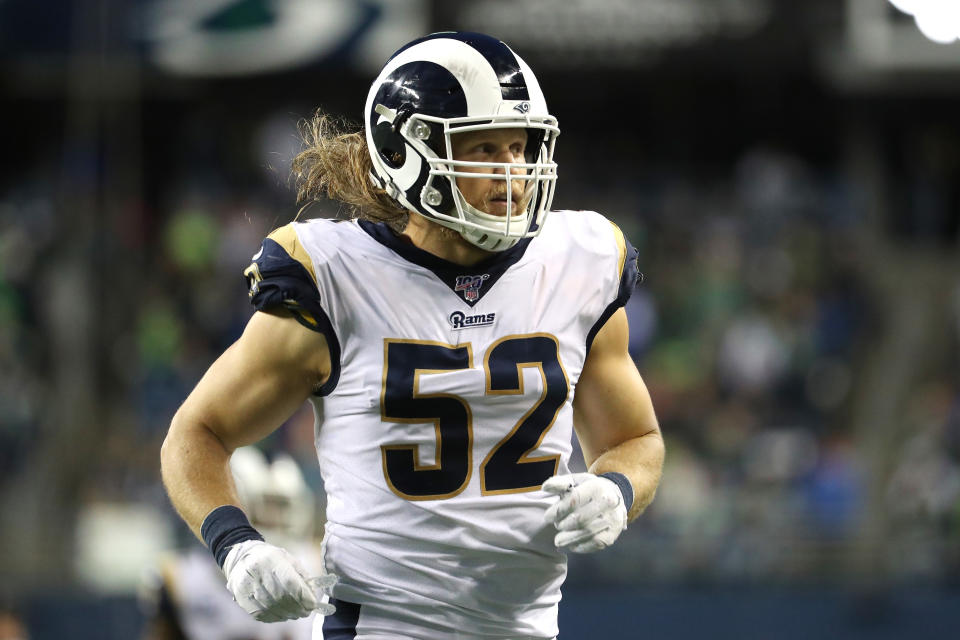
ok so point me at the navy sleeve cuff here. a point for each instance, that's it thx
(224, 527)
(623, 482)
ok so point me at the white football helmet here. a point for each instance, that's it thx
(274, 494)
(454, 82)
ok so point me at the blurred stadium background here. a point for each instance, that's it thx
(790, 172)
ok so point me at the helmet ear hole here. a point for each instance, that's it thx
(435, 141)
(535, 140)
(390, 145)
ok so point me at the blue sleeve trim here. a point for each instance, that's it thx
(623, 482)
(326, 328)
(224, 527)
(277, 280)
(629, 279)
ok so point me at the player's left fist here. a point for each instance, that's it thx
(590, 513)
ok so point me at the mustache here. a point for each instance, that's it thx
(516, 194)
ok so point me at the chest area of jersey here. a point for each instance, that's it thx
(469, 398)
(450, 412)
(414, 304)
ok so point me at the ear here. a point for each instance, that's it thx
(390, 145)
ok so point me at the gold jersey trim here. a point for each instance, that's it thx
(621, 247)
(286, 237)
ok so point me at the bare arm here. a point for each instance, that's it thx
(245, 395)
(613, 415)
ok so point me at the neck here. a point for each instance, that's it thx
(442, 242)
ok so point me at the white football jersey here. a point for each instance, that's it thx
(449, 404)
(199, 603)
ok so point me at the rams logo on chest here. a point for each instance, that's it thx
(460, 320)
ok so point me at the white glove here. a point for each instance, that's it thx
(270, 584)
(590, 514)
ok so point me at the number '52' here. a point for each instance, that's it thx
(506, 469)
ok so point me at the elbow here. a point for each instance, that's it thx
(189, 436)
(183, 435)
(658, 453)
(653, 442)
(654, 453)
(171, 443)
(660, 446)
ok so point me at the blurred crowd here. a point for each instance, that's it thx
(751, 328)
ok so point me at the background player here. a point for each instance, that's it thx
(434, 438)
(187, 598)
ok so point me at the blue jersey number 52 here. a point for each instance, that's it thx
(506, 468)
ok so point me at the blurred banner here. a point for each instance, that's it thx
(216, 38)
(623, 33)
(236, 37)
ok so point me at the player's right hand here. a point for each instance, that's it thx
(271, 585)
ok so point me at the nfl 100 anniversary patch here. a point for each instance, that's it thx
(470, 286)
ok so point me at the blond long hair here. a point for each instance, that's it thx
(335, 164)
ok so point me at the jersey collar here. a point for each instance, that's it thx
(469, 283)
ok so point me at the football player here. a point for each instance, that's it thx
(186, 598)
(451, 336)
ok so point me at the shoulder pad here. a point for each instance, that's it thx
(282, 275)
